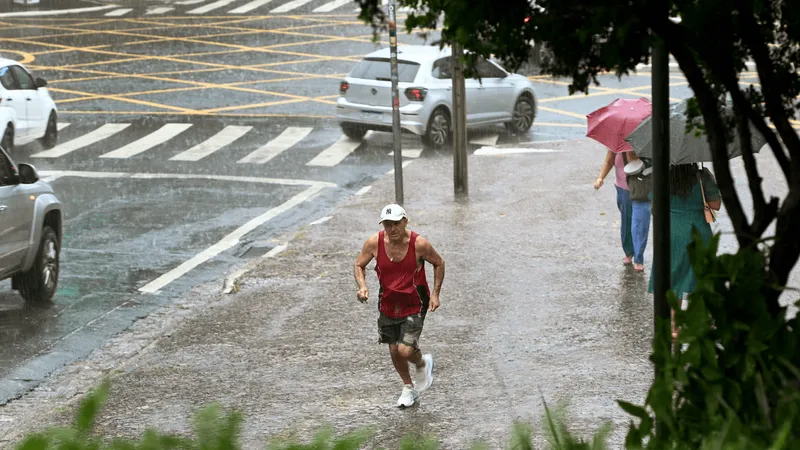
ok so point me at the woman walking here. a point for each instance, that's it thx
(693, 194)
(618, 162)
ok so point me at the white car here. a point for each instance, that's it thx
(426, 96)
(26, 110)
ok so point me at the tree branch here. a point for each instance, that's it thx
(772, 97)
(763, 213)
(709, 106)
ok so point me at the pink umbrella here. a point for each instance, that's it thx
(611, 124)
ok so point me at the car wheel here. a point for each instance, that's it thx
(438, 133)
(523, 115)
(38, 285)
(354, 132)
(50, 137)
(7, 142)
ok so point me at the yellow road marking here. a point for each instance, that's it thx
(126, 100)
(26, 57)
(161, 113)
(563, 113)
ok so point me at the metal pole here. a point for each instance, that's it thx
(398, 153)
(459, 126)
(661, 222)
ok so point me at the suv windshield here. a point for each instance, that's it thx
(380, 69)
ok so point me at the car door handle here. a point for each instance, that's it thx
(28, 99)
(9, 99)
(3, 208)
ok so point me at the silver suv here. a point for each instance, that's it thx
(30, 231)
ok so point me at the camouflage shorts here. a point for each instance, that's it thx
(405, 330)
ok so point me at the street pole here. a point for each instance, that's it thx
(661, 222)
(459, 125)
(398, 153)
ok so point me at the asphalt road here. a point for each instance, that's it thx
(169, 163)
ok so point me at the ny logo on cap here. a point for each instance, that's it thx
(388, 210)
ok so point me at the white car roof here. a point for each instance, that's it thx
(415, 53)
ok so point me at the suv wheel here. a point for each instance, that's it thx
(38, 285)
(7, 142)
(50, 137)
(354, 132)
(523, 116)
(439, 130)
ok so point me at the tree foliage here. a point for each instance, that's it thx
(712, 42)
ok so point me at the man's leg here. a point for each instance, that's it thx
(400, 359)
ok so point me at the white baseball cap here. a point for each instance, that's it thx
(393, 212)
(634, 167)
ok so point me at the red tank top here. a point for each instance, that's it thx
(403, 289)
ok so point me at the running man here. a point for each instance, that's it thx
(404, 297)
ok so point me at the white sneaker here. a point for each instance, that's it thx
(408, 397)
(426, 374)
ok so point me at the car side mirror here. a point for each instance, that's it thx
(41, 82)
(28, 174)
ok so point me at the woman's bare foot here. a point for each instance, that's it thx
(627, 260)
(638, 268)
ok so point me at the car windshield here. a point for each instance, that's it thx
(380, 69)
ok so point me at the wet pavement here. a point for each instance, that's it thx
(536, 305)
(121, 80)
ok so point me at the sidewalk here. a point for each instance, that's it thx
(535, 302)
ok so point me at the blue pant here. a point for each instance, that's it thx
(626, 217)
(640, 229)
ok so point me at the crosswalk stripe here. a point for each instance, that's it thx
(212, 144)
(189, 2)
(211, 6)
(61, 125)
(330, 6)
(247, 7)
(286, 7)
(157, 137)
(273, 148)
(90, 138)
(119, 12)
(334, 154)
(159, 10)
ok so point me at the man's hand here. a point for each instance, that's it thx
(363, 295)
(434, 303)
(598, 183)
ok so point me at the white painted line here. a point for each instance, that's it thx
(488, 140)
(212, 144)
(189, 2)
(90, 138)
(62, 125)
(262, 180)
(157, 137)
(247, 7)
(330, 6)
(119, 12)
(56, 12)
(363, 190)
(510, 151)
(334, 154)
(289, 137)
(405, 164)
(228, 241)
(551, 141)
(410, 153)
(211, 7)
(277, 250)
(159, 10)
(286, 7)
(323, 219)
(183, 176)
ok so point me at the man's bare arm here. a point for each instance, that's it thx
(360, 269)
(429, 254)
